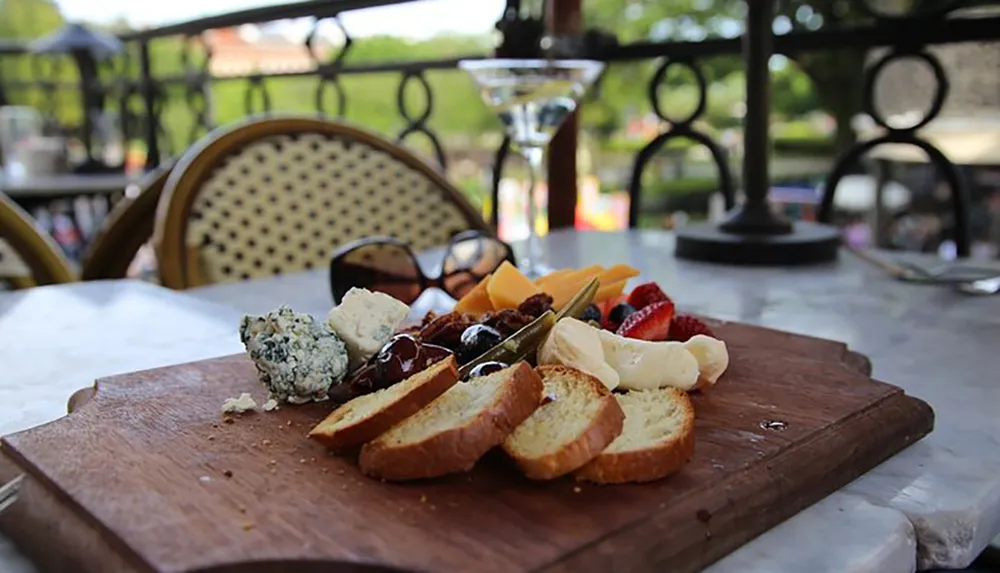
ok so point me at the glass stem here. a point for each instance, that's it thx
(533, 155)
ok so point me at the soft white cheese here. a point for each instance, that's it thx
(575, 343)
(365, 321)
(244, 403)
(712, 357)
(645, 365)
(297, 357)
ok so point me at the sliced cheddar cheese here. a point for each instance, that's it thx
(610, 291)
(509, 288)
(476, 301)
(617, 273)
(540, 281)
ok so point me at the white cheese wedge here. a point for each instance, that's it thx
(575, 343)
(365, 321)
(712, 357)
(645, 365)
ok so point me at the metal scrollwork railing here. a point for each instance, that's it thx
(256, 89)
(329, 73)
(197, 89)
(417, 123)
(677, 127)
(908, 134)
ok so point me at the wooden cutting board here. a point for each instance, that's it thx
(146, 476)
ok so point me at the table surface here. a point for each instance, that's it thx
(65, 185)
(936, 504)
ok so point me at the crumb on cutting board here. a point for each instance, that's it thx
(239, 405)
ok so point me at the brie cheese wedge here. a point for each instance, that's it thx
(577, 344)
(712, 357)
(645, 365)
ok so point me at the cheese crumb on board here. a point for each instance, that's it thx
(365, 321)
(270, 405)
(244, 403)
(297, 357)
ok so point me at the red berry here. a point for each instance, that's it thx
(646, 294)
(651, 323)
(685, 326)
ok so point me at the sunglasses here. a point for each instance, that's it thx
(388, 265)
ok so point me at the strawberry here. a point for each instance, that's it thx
(650, 323)
(646, 294)
(685, 326)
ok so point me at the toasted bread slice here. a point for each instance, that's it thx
(366, 417)
(578, 418)
(658, 439)
(451, 433)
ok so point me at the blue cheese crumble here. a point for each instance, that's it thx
(298, 359)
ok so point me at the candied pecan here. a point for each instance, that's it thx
(446, 330)
(506, 321)
(536, 305)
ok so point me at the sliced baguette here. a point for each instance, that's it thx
(366, 417)
(451, 433)
(658, 439)
(578, 418)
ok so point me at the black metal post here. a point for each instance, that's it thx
(754, 216)
(753, 233)
(149, 99)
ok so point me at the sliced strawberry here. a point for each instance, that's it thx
(650, 323)
(646, 294)
(685, 326)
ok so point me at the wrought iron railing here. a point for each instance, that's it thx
(129, 83)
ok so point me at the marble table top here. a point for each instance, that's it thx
(936, 504)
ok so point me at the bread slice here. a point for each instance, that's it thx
(366, 417)
(454, 431)
(578, 418)
(658, 439)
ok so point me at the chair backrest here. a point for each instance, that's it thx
(26, 247)
(279, 194)
(126, 229)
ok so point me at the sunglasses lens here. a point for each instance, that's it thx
(469, 261)
(382, 267)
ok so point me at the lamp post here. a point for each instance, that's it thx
(86, 47)
(752, 233)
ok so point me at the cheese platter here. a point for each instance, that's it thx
(560, 424)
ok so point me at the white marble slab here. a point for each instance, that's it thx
(936, 343)
(55, 340)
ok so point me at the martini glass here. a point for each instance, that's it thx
(532, 98)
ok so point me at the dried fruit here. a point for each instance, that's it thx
(651, 323)
(536, 305)
(646, 294)
(446, 330)
(684, 326)
(506, 321)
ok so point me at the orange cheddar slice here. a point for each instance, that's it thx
(541, 281)
(477, 300)
(617, 273)
(610, 291)
(509, 288)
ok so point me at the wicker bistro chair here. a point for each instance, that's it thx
(280, 194)
(126, 229)
(28, 255)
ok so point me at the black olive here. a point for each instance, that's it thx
(620, 312)
(591, 313)
(476, 340)
(397, 360)
(486, 368)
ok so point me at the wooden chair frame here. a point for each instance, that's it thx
(36, 248)
(128, 226)
(179, 267)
